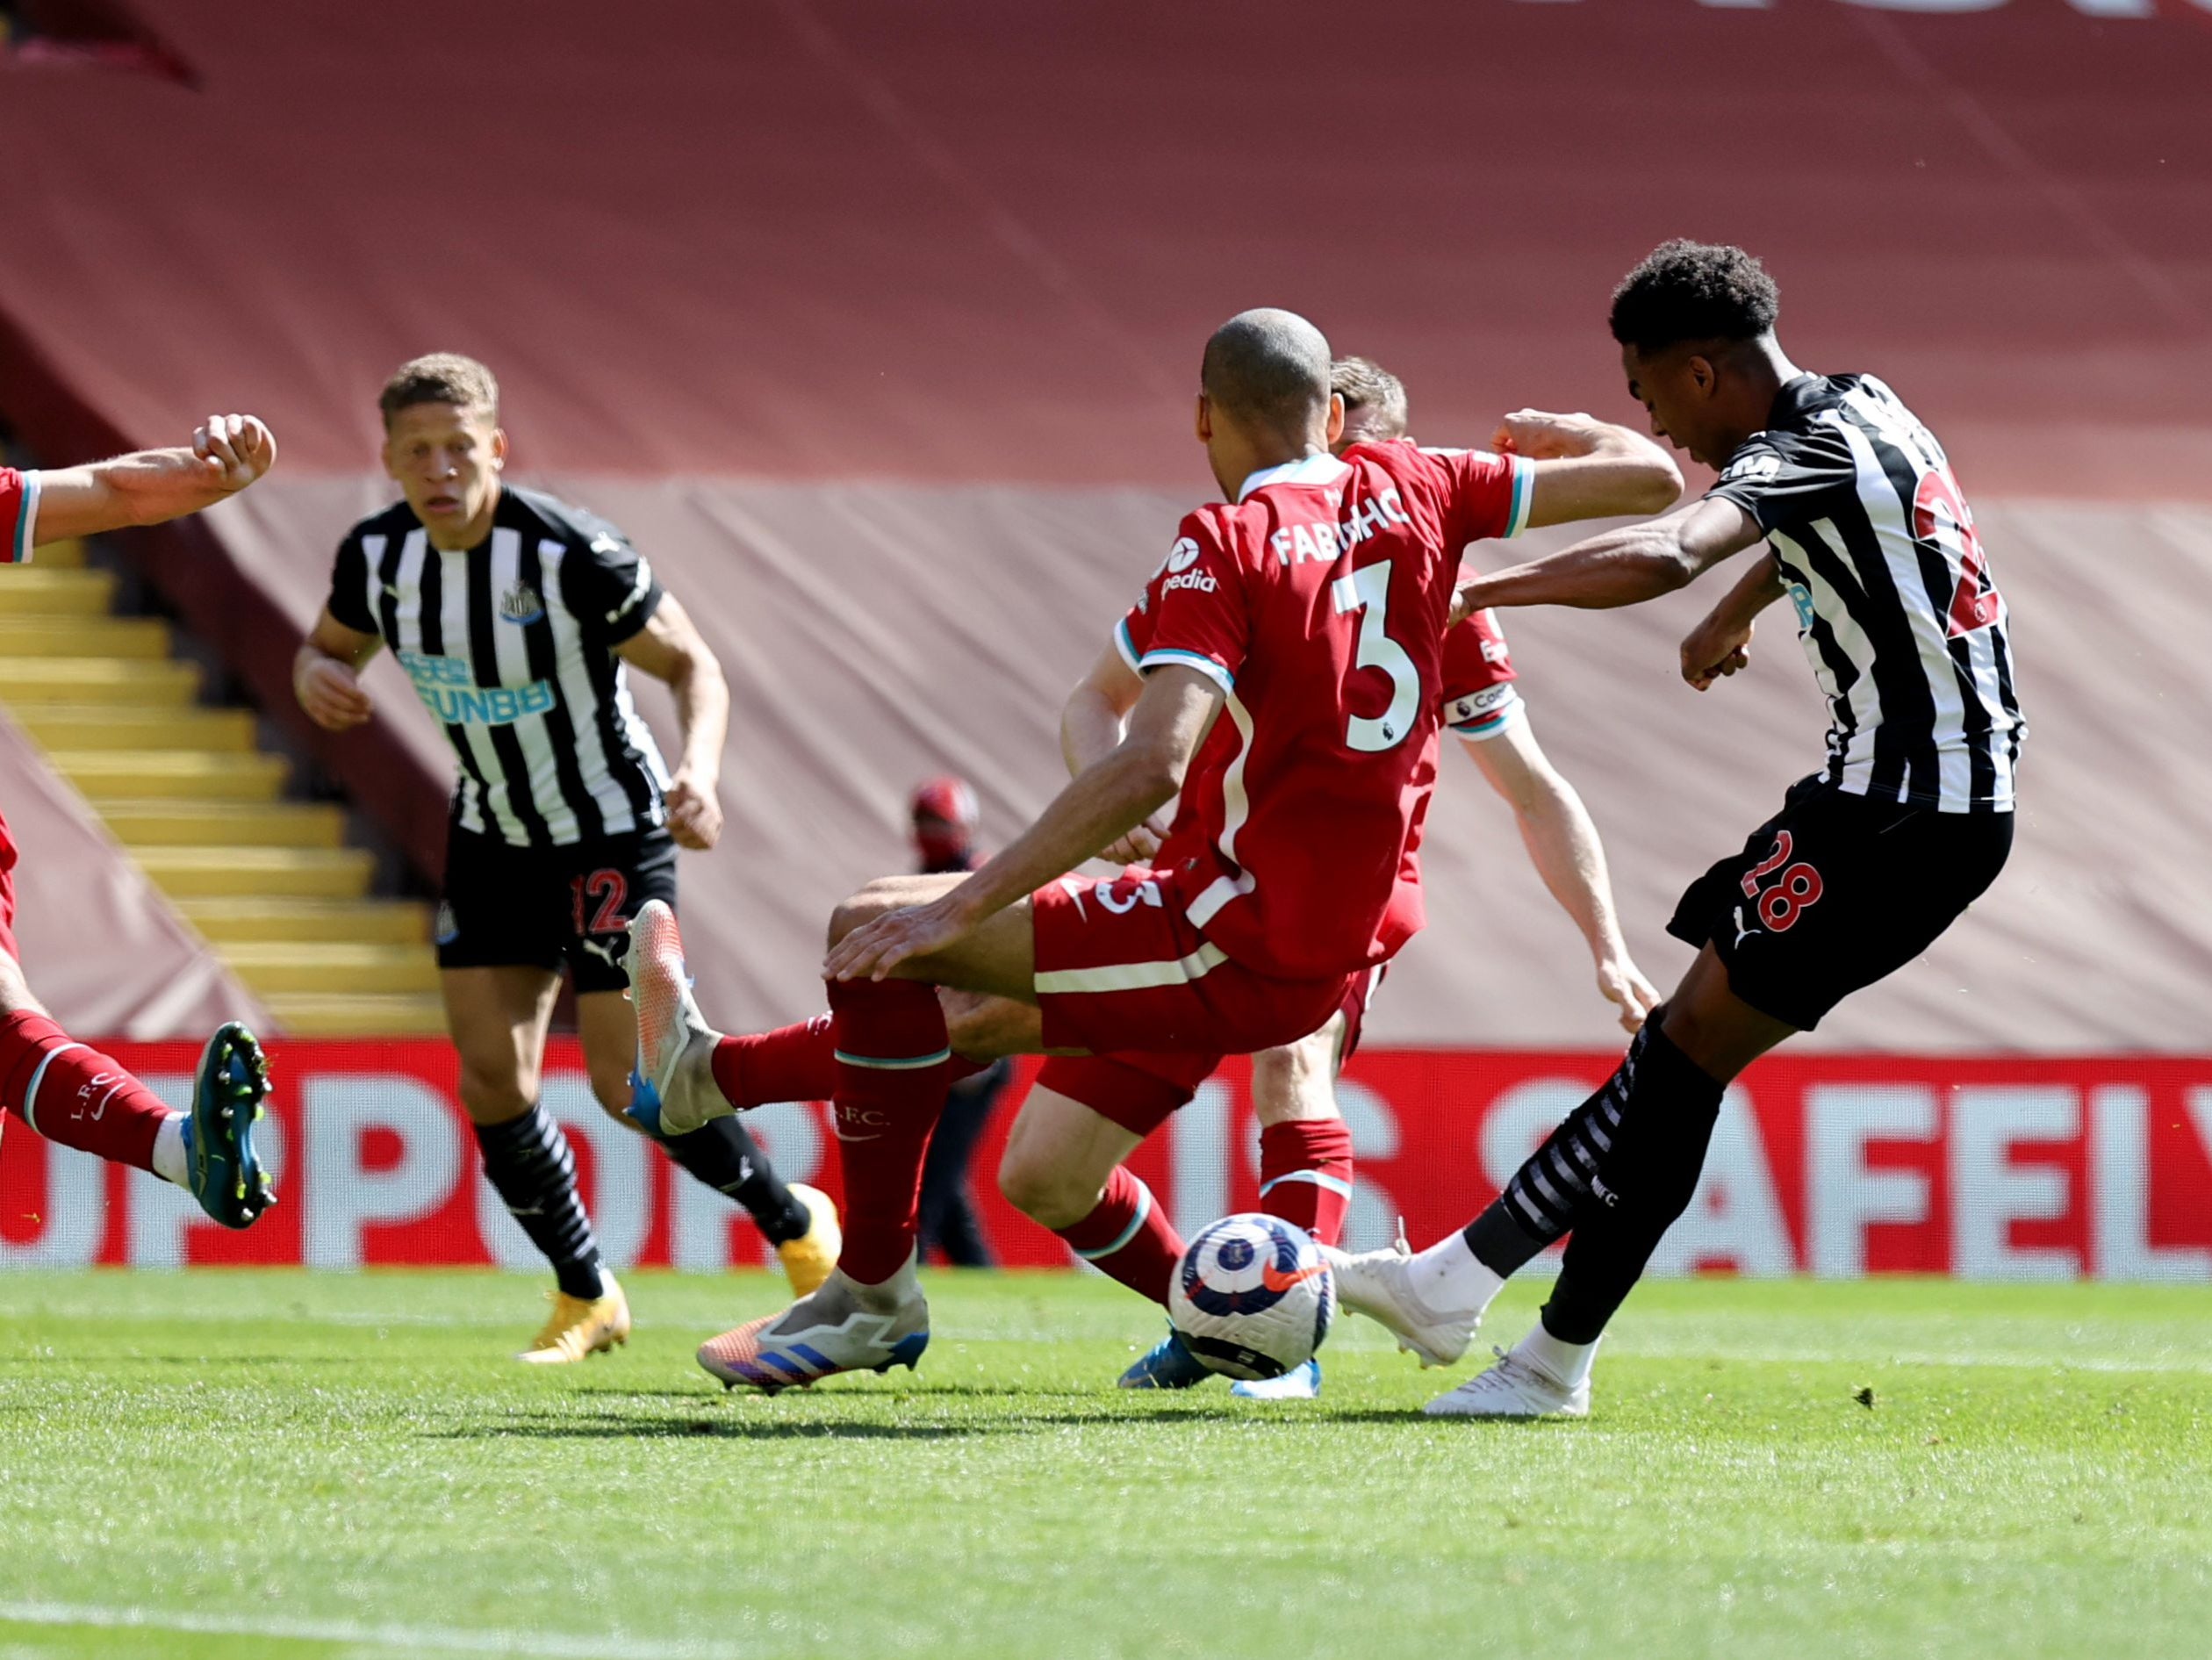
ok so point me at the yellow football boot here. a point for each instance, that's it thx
(580, 1328)
(807, 1261)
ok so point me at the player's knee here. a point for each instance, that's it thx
(862, 908)
(493, 1095)
(1042, 1190)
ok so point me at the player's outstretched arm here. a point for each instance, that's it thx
(670, 648)
(154, 486)
(1091, 727)
(1620, 567)
(1587, 469)
(327, 675)
(1107, 800)
(1562, 843)
(1720, 645)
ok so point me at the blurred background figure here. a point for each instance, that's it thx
(944, 816)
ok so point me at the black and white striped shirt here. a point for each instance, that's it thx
(511, 647)
(1899, 615)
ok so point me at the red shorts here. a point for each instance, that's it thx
(7, 891)
(1120, 966)
(1140, 1092)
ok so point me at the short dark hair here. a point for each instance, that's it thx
(1268, 367)
(442, 378)
(1687, 290)
(1364, 383)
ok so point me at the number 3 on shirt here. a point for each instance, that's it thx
(1367, 592)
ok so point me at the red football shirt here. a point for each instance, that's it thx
(1479, 702)
(1317, 601)
(18, 515)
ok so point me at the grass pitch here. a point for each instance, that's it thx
(286, 1465)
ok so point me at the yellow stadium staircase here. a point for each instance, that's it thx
(187, 790)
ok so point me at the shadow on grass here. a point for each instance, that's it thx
(629, 1428)
(761, 1423)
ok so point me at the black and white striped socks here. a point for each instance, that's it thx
(1613, 1176)
(529, 1164)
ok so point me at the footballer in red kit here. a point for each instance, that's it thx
(1291, 648)
(63, 1088)
(1052, 1169)
(1283, 867)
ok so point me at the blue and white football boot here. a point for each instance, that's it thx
(1168, 1364)
(843, 1326)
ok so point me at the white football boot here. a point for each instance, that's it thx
(1516, 1387)
(672, 1091)
(1379, 1285)
(844, 1326)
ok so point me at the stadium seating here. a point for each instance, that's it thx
(187, 790)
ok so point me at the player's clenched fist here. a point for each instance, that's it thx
(695, 817)
(1717, 647)
(235, 449)
(1542, 437)
(330, 692)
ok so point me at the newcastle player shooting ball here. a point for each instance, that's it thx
(1906, 823)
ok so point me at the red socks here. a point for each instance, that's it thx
(890, 1060)
(791, 1063)
(76, 1095)
(1129, 1237)
(1306, 1174)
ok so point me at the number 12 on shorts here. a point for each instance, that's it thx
(1795, 891)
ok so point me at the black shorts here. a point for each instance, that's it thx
(1834, 892)
(508, 907)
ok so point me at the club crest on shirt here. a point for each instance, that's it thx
(521, 606)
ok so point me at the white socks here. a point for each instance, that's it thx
(1450, 1279)
(169, 1151)
(1569, 1362)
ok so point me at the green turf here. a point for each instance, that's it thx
(289, 1465)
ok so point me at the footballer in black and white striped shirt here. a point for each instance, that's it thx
(516, 617)
(1907, 822)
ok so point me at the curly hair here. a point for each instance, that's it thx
(1687, 290)
(442, 378)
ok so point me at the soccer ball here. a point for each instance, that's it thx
(1253, 1297)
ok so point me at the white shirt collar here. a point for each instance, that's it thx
(1318, 469)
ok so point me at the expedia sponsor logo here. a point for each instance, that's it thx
(1183, 555)
(521, 605)
(1197, 581)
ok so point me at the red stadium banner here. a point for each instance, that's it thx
(1834, 1165)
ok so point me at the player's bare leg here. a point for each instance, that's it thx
(76, 1095)
(1635, 1148)
(498, 1018)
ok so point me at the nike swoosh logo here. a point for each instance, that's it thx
(1276, 1280)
